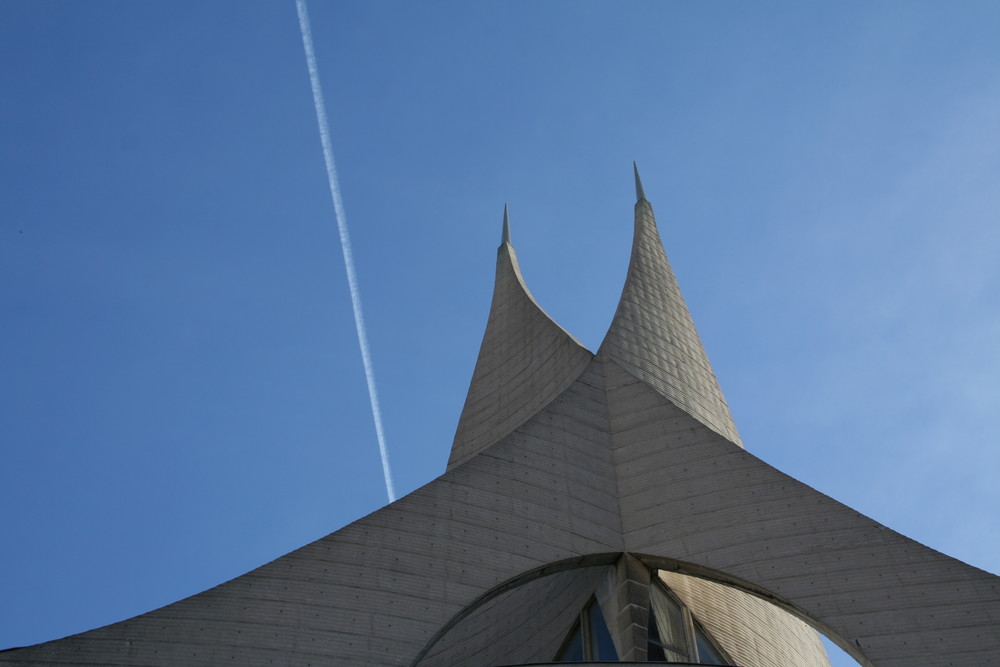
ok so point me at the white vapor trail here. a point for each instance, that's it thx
(345, 240)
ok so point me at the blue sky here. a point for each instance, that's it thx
(181, 392)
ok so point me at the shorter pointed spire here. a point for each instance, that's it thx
(525, 361)
(640, 194)
(505, 238)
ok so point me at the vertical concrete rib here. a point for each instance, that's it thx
(525, 361)
(652, 334)
(626, 609)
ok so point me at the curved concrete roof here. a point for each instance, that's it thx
(621, 459)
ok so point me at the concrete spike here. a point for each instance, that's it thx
(505, 237)
(640, 194)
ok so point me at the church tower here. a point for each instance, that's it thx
(595, 507)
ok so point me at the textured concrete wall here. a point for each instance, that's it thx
(624, 601)
(524, 362)
(652, 334)
(753, 632)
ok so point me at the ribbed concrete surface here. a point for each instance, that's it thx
(753, 632)
(524, 362)
(652, 334)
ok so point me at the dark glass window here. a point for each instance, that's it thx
(589, 639)
(674, 635)
(654, 645)
(572, 650)
(708, 653)
(667, 634)
(602, 647)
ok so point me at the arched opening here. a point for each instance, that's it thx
(556, 581)
(696, 571)
(685, 614)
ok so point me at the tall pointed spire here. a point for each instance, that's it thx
(505, 237)
(640, 194)
(652, 335)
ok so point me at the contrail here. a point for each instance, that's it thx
(345, 239)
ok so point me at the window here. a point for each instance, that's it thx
(673, 633)
(589, 639)
(708, 652)
(667, 636)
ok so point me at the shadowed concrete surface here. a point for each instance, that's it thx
(576, 477)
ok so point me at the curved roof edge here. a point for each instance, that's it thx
(524, 362)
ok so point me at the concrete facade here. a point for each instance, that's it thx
(576, 476)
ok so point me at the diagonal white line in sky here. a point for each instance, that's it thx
(345, 240)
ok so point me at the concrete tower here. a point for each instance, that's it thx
(595, 506)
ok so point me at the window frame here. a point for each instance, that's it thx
(690, 624)
(583, 622)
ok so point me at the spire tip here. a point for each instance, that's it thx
(505, 238)
(640, 194)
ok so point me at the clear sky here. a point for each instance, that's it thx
(181, 393)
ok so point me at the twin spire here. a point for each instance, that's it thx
(527, 360)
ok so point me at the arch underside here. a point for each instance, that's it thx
(526, 620)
